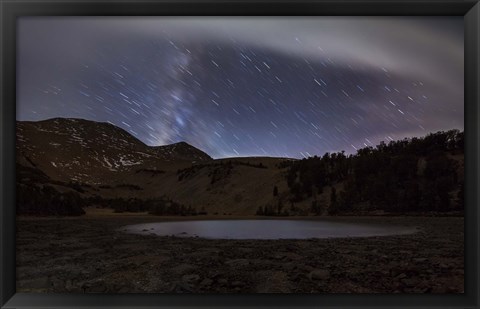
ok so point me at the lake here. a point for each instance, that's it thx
(266, 229)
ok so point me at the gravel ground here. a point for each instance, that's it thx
(90, 255)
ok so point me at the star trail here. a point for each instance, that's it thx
(288, 87)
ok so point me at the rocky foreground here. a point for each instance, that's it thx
(91, 255)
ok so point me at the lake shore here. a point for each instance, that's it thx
(89, 254)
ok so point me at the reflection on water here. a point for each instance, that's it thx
(265, 229)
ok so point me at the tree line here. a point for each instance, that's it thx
(413, 174)
(46, 200)
(216, 171)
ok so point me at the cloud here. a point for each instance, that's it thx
(423, 47)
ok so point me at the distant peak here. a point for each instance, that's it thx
(57, 119)
(181, 144)
(184, 149)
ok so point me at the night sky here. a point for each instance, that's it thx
(290, 87)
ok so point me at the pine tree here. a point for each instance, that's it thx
(461, 196)
(279, 207)
(333, 198)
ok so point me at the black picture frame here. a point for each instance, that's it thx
(10, 10)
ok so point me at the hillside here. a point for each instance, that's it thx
(98, 164)
(410, 175)
(91, 152)
(99, 161)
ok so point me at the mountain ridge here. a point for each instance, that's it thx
(106, 123)
(109, 167)
(82, 147)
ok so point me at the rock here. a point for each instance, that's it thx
(439, 289)
(409, 282)
(183, 269)
(319, 274)
(422, 290)
(39, 283)
(213, 274)
(272, 281)
(291, 248)
(222, 281)
(183, 287)
(69, 285)
(75, 273)
(237, 262)
(401, 276)
(237, 284)
(290, 266)
(420, 260)
(298, 277)
(245, 250)
(57, 284)
(452, 289)
(96, 287)
(206, 282)
(191, 278)
(123, 290)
